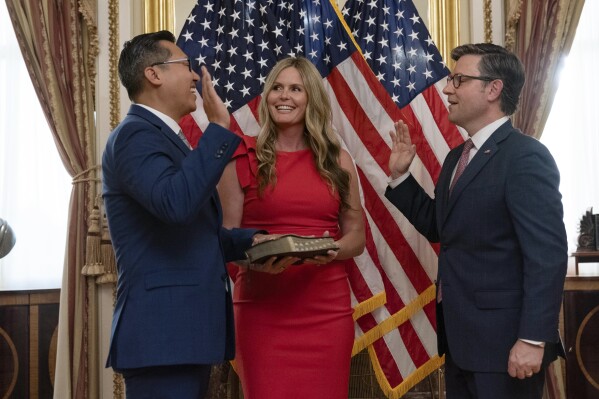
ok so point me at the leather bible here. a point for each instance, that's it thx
(290, 245)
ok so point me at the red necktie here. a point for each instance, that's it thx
(462, 163)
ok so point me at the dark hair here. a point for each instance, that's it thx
(138, 54)
(499, 63)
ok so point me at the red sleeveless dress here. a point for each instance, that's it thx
(294, 330)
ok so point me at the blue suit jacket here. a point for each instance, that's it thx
(173, 301)
(503, 246)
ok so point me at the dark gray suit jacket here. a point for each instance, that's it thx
(503, 248)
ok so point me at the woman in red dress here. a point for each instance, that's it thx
(294, 325)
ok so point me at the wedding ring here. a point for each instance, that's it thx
(529, 374)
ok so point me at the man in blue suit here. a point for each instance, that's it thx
(499, 220)
(173, 314)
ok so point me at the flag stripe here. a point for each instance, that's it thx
(399, 76)
(383, 213)
(402, 251)
(374, 93)
(440, 116)
(361, 123)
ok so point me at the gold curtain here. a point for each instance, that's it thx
(58, 40)
(444, 21)
(541, 33)
(159, 15)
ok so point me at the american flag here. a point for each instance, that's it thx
(387, 71)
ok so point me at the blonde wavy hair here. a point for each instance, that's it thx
(318, 131)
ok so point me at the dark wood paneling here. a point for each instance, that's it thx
(28, 326)
(581, 330)
(14, 351)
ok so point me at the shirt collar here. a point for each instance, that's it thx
(483, 134)
(170, 122)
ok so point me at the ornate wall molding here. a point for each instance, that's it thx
(113, 49)
(488, 12)
(118, 386)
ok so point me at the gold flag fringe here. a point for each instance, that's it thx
(369, 305)
(108, 258)
(414, 378)
(394, 321)
(93, 258)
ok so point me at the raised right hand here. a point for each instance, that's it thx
(215, 109)
(402, 150)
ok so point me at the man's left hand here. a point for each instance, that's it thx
(525, 360)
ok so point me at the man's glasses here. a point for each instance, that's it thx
(176, 61)
(458, 78)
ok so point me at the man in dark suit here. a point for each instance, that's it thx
(173, 315)
(499, 220)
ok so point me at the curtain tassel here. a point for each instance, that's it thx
(93, 259)
(108, 258)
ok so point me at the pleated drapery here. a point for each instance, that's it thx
(540, 32)
(58, 40)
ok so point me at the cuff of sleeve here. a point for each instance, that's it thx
(396, 182)
(536, 343)
(264, 232)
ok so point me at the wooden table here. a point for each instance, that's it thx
(585, 256)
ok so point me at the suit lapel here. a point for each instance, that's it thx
(478, 162)
(172, 136)
(164, 128)
(445, 180)
(169, 134)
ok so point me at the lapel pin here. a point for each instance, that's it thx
(487, 151)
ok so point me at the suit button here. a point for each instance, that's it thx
(221, 151)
